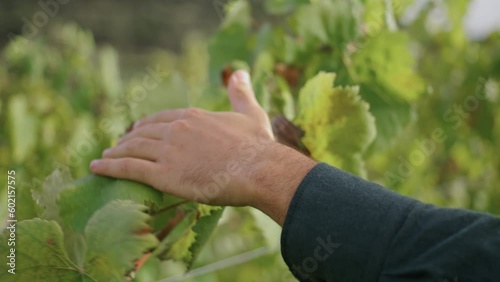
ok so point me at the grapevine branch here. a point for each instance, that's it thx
(169, 207)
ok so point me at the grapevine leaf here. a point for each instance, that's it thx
(75, 245)
(168, 209)
(150, 271)
(46, 196)
(180, 249)
(29, 208)
(203, 229)
(341, 20)
(328, 115)
(384, 69)
(176, 233)
(309, 25)
(188, 247)
(112, 251)
(41, 255)
(206, 210)
(325, 22)
(79, 202)
(391, 115)
(284, 47)
(106, 253)
(385, 60)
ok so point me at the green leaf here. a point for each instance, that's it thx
(384, 67)
(180, 249)
(40, 254)
(392, 116)
(46, 196)
(177, 233)
(188, 247)
(341, 20)
(309, 24)
(79, 202)
(151, 271)
(203, 228)
(285, 48)
(333, 22)
(385, 60)
(106, 253)
(112, 251)
(338, 125)
(29, 209)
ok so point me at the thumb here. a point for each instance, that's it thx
(241, 94)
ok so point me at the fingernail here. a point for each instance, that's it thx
(93, 164)
(106, 151)
(243, 76)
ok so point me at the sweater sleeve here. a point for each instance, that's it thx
(340, 227)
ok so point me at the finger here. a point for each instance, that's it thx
(163, 116)
(242, 96)
(141, 148)
(154, 131)
(127, 168)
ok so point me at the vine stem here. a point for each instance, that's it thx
(169, 207)
(170, 225)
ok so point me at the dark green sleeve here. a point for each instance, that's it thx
(342, 228)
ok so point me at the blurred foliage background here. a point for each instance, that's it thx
(71, 86)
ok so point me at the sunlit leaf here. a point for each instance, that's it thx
(337, 123)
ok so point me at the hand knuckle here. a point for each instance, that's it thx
(193, 112)
(179, 126)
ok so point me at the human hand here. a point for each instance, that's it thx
(217, 158)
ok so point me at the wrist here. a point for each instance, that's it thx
(277, 177)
